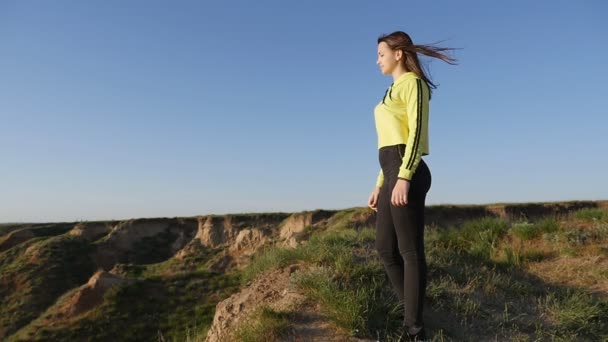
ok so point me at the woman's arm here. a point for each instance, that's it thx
(415, 95)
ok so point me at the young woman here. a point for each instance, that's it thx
(402, 125)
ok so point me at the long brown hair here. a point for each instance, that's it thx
(400, 40)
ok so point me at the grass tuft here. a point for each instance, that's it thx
(592, 214)
(264, 325)
(575, 311)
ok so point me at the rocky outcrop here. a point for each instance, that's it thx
(122, 239)
(271, 288)
(276, 290)
(214, 231)
(240, 235)
(248, 241)
(125, 234)
(293, 229)
(244, 235)
(91, 294)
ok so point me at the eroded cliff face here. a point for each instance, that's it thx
(108, 254)
(126, 241)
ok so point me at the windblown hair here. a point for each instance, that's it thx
(400, 40)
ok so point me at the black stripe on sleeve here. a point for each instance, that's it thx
(410, 163)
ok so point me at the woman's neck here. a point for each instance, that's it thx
(398, 72)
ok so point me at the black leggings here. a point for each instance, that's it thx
(400, 233)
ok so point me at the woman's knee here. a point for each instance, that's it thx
(409, 255)
(387, 254)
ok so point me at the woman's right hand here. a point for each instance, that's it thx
(372, 202)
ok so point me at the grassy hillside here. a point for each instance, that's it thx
(491, 277)
(485, 282)
(35, 273)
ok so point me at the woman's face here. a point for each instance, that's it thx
(387, 59)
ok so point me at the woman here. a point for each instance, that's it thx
(402, 125)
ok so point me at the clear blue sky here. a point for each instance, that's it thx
(124, 109)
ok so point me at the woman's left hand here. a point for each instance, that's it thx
(399, 196)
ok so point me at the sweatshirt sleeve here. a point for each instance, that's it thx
(415, 95)
(380, 179)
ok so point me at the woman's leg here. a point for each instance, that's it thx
(386, 242)
(409, 227)
(409, 223)
(400, 235)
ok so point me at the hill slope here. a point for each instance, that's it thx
(529, 271)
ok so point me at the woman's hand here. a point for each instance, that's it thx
(399, 196)
(372, 202)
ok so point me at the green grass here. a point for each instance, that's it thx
(478, 238)
(331, 247)
(472, 285)
(197, 260)
(592, 214)
(358, 306)
(524, 230)
(341, 219)
(346, 219)
(264, 325)
(34, 283)
(517, 256)
(528, 231)
(176, 306)
(177, 297)
(36, 230)
(353, 292)
(151, 249)
(576, 312)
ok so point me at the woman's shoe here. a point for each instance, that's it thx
(416, 334)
